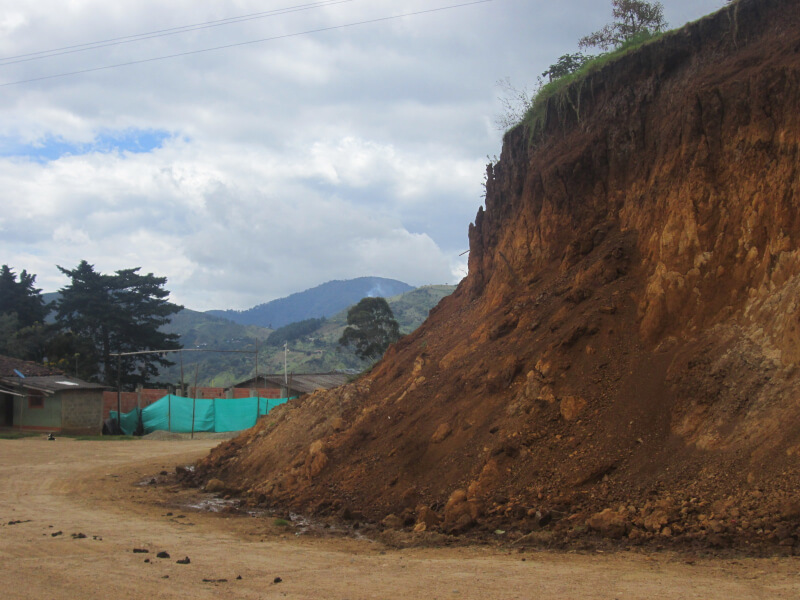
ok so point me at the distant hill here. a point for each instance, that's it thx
(322, 301)
(200, 330)
(311, 350)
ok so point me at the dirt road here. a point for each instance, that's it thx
(99, 489)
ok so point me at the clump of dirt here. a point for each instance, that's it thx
(621, 361)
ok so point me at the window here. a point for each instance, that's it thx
(35, 399)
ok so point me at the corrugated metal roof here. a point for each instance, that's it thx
(30, 369)
(304, 383)
(50, 383)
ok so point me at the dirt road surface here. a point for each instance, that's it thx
(100, 490)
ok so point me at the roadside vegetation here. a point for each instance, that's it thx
(636, 22)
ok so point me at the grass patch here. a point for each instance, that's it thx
(17, 435)
(280, 523)
(101, 438)
(565, 92)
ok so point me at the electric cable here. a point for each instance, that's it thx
(128, 39)
(239, 44)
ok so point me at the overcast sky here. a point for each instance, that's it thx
(248, 173)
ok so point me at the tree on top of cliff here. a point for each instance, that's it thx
(371, 328)
(566, 64)
(631, 19)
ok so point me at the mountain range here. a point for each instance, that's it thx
(322, 301)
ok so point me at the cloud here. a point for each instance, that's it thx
(250, 173)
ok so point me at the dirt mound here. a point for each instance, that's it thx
(621, 359)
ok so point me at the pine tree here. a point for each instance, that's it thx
(21, 298)
(118, 313)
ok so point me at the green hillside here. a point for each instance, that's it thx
(313, 351)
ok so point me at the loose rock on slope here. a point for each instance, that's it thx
(621, 360)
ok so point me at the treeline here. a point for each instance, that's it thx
(294, 331)
(96, 317)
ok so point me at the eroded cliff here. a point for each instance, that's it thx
(622, 358)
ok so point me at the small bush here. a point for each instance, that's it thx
(565, 92)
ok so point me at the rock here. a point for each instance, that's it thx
(392, 522)
(410, 497)
(462, 524)
(790, 509)
(214, 486)
(571, 407)
(277, 580)
(162, 554)
(460, 513)
(656, 520)
(456, 497)
(441, 433)
(318, 461)
(608, 523)
(427, 517)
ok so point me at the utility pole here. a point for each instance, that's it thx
(256, 379)
(119, 392)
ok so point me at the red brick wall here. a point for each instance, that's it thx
(262, 392)
(207, 392)
(130, 400)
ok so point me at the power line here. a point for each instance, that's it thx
(128, 39)
(238, 44)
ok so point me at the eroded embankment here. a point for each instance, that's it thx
(621, 359)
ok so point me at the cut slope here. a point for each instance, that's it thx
(622, 357)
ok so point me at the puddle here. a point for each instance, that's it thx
(214, 505)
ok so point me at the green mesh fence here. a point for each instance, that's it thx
(183, 415)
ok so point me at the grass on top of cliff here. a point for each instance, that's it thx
(560, 90)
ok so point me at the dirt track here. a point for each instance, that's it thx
(94, 488)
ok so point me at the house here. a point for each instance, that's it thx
(298, 383)
(34, 397)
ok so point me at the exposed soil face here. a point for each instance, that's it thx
(52, 493)
(620, 362)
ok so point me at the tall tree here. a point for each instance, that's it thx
(631, 18)
(118, 313)
(21, 298)
(371, 328)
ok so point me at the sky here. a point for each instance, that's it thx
(288, 143)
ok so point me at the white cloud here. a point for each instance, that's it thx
(357, 151)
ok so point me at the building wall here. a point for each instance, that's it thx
(260, 392)
(130, 400)
(47, 418)
(6, 418)
(81, 411)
